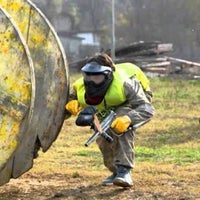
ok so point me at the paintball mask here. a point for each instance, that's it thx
(97, 79)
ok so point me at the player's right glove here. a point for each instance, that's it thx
(73, 107)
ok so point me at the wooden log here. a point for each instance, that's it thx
(150, 59)
(142, 48)
(165, 47)
(186, 62)
(134, 47)
(161, 70)
(159, 64)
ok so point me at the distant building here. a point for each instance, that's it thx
(71, 44)
(90, 43)
(79, 45)
(90, 38)
(76, 44)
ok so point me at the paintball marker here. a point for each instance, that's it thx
(101, 128)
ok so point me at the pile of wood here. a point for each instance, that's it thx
(144, 49)
(151, 57)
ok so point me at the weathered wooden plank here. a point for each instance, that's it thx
(162, 48)
(150, 59)
(143, 48)
(52, 83)
(16, 91)
(157, 70)
(186, 62)
(157, 64)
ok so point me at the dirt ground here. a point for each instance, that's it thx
(167, 185)
(53, 177)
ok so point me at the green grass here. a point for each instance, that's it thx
(167, 154)
(174, 133)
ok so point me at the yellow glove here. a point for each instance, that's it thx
(73, 107)
(120, 124)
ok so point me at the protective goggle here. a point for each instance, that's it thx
(95, 77)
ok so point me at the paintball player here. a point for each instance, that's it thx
(107, 86)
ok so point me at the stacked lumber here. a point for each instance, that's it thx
(147, 55)
(180, 66)
(150, 57)
(142, 48)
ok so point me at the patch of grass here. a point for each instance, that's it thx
(175, 124)
(175, 93)
(167, 155)
(88, 152)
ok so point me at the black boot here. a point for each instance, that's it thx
(109, 180)
(123, 177)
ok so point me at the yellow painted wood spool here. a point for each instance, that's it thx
(34, 86)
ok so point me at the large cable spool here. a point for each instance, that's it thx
(42, 118)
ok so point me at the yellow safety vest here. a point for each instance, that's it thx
(134, 71)
(115, 94)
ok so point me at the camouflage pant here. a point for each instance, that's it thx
(119, 152)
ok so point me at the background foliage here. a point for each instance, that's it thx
(171, 21)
